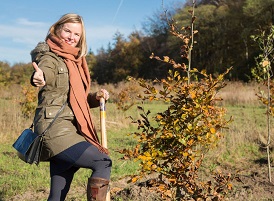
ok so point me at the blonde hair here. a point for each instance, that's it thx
(56, 28)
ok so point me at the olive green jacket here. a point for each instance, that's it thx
(63, 133)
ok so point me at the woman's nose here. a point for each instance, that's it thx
(71, 36)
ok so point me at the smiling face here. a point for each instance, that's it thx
(71, 33)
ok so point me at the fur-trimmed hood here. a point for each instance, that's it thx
(39, 50)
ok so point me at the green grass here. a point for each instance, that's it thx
(238, 144)
(18, 177)
(241, 142)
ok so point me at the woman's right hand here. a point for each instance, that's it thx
(38, 77)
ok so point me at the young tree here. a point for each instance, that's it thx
(263, 72)
(174, 141)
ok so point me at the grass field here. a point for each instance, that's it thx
(239, 146)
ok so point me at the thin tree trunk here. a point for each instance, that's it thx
(268, 127)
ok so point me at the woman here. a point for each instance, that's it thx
(71, 142)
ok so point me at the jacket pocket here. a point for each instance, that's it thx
(62, 77)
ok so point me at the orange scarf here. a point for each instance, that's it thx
(79, 80)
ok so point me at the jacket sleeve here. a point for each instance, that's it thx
(48, 66)
(92, 101)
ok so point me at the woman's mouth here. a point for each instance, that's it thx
(69, 42)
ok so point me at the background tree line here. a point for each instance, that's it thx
(224, 40)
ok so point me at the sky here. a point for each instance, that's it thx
(24, 23)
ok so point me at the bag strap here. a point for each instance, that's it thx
(57, 114)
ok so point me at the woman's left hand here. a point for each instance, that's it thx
(102, 94)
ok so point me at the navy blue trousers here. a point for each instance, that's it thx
(64, 165)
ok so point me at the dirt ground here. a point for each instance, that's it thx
(254, 186)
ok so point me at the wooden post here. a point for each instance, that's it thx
(103, 122)
(103, 131)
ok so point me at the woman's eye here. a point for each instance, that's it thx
(66, 30)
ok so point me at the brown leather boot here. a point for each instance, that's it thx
(97, 189)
